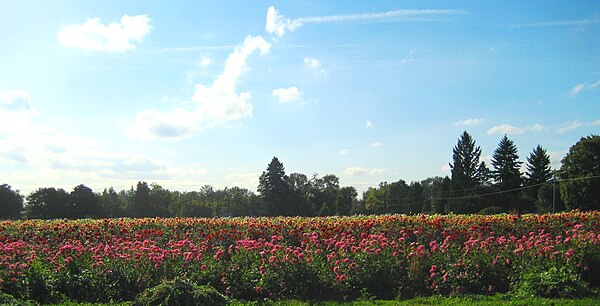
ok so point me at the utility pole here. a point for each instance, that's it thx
(554, 191)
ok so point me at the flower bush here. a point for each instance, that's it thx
(307, 258)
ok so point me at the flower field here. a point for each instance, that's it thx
(555, 255)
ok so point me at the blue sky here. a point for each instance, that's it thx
(192, 93)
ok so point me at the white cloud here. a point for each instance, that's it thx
(377, 16)
(248, 180)
(314, 64)
(446, 168)
(579, 23)
(505, 129)
(369, 124)
(363, 171)
(114, 37)
(595, 123)
(470, 121)
(536, 128)
(583, 86)
(16, 102)
(376, 144)
(577, 89)
(344, 151)
(205, 61)
(509, 129)
(278, 24)
(49, 157)
(288, 95)
(210, 105)
(569, 126)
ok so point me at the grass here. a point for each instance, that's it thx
(440, 300)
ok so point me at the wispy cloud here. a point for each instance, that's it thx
(369, 124)
(213, 104)
(314, 64)
(510, 129)
(560, 23)
(363, 171)
(288, 95)
(114, 37)
(569, 126)
(16, 102)
(377, 144)
(583, 86)
(344, 151)
(470, 121)
(278, 24)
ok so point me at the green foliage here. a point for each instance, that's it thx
(492, 210)
(468, 173)
(47, 203)
(83, 202)
(552, 283)
(274, 188)
(538, 166)
(11, 203)
(580, 175)
(507, 167)
(180, 292)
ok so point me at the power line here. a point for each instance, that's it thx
(493, 193)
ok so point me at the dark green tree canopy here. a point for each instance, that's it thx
(84, 202)
(141, 201)
(274, 188)
(507, 167)
(11, 202)
(46, 203)
(580, 175)
(538, 166)
(466, 168)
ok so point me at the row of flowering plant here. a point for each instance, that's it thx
(307, 258)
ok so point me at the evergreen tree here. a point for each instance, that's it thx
(507, 167)
(507, 176)
(539, 172)
(111, 204)
(141, 201)
(538, 167)
(440, 202)
(417, 198)
(468, 174)
(274, 188)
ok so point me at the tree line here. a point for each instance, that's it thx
(472, 187)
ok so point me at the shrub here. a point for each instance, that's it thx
(553, 283)
(180, 292)
(492, 210)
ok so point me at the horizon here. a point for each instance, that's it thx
(188, 94)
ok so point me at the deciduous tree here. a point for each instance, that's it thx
(11, 203)
(580, 175)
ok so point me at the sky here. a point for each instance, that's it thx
(190, 93)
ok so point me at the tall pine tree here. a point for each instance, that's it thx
(539, 172)
(507, 167)
(468, 174)
(274, 189)
(538, 166)
(507, 176)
